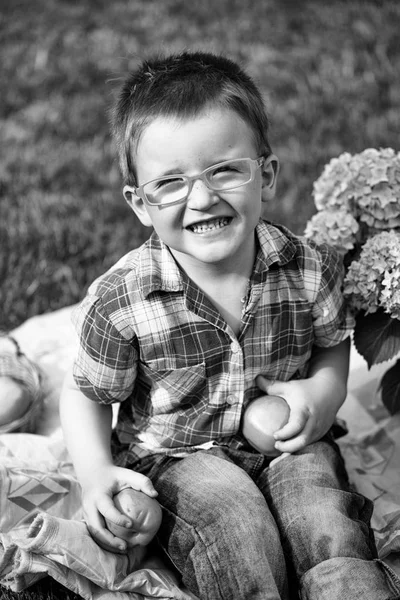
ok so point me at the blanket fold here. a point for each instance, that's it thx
(64, 549)
(42, 531)
(41, 527)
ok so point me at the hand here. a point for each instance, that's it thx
(312, 413)
(98, 490)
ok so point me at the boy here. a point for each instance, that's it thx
(189, 328)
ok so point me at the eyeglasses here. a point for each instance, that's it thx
(224, 176)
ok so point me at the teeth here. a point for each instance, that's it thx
(209, 225)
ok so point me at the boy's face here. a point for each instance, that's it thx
(210, 228)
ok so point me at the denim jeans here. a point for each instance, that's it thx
(237, 528)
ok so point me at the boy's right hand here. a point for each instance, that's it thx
(98, 490)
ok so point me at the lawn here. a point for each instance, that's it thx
(330, 73)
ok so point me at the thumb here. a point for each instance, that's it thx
(264, 384)
(272, 388)
(143, 484)
(148, 488)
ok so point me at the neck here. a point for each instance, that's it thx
(213, 274)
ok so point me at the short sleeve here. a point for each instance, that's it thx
(332, 319)
(106, 363)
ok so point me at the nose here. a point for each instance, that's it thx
(201, 197)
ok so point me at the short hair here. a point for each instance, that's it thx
(181, 86)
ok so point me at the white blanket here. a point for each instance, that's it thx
(41, 531)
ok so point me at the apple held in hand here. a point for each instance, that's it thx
(261, 419)
(144, 512)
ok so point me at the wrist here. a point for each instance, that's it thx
(330, 387)
(93, 471)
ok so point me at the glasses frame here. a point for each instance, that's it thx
(255, 164)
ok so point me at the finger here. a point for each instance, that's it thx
(106, 540)
(115, 550)
(141, 483)
(272, 388)
(110, 512)
(296, 424)
(103, 537)
(298, 442)
(263, 383)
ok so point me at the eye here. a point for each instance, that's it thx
(163, 182)
(225, 169)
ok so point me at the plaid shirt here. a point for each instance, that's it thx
(151, 340)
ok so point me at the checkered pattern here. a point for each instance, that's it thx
(151, 340)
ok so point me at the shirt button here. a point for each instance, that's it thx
(235, 347)
(231, 399)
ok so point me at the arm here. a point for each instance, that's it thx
(87, 432)
(314, 401)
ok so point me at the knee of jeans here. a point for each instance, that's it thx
(332, 526)
(327, 508)
(312, 518)
(225, 505)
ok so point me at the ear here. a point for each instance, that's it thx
(137, 205)
(269, 178)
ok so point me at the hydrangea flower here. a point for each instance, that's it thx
(366, 185)
(373, 280)
(358, 212)
(336, 228)
(390, 295)
(330, 190)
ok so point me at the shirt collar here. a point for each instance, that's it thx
(159, 271)
(276, 246)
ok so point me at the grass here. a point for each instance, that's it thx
(330, 73)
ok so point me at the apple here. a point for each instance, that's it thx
(14, 400)
(261, 419)
(144, 512)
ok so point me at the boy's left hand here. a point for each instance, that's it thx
(312, 413)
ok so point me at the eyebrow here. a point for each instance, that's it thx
(171, 172)
(217, 162)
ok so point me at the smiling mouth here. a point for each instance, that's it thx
(209, 225)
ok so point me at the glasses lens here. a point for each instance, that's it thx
(166, 191)
(230, 174)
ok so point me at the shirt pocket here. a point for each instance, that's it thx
(180, 391)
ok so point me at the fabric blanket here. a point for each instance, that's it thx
(42, 531)
(41, 527)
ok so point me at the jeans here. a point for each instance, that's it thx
(239, 529)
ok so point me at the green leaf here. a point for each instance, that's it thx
(390, 386)
(377, 337)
